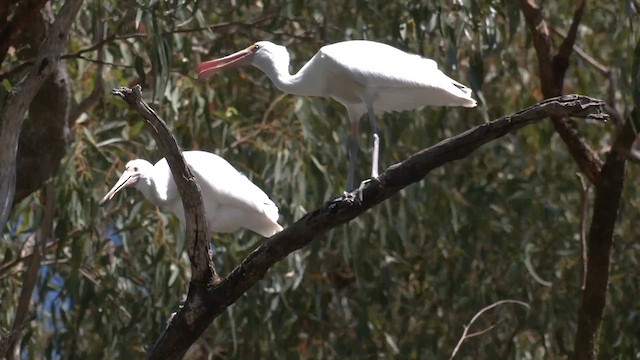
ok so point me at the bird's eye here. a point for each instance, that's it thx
(256, 46)
(135, 169)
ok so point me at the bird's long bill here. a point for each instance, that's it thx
(241, 58)
(128, 178)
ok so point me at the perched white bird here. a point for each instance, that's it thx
(364, 76)
(231, 200)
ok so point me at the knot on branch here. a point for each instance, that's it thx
(131, 96)
(580, 106)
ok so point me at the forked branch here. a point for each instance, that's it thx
(205, 303)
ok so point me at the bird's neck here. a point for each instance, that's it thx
(150, 190)
(298, 84)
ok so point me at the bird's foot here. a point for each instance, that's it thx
(364, 183)
(355, 195)
(346, 196)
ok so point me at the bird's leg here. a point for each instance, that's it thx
(375, 151)
(353, 146)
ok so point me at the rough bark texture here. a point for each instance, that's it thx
(208, 299)
(24, 14)
(608, 178)
(45, 133)
(197, 231)
(605, 212)
(552, 70)
(21, 98)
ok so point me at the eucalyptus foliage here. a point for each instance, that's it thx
(400, 281)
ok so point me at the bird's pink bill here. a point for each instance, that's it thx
(127, 179)
(238, 59)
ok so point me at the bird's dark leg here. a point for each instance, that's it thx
(353, 146)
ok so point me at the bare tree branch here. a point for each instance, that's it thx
(551, 81)
(561, 59)
(608, 194)
(476, 316)
(603, 69)
(584, 213)
(197, 233)
(205, 303)
(607, 178)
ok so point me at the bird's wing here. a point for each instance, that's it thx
(379, 65)
(219, 180)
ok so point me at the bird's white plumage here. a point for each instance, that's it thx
(230, 199)
(364, 76)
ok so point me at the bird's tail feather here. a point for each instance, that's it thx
(268, 225)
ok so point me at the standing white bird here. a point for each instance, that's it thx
(364, 76)
(231, 200)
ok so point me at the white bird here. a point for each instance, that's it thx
(364, 76)
(231, 200)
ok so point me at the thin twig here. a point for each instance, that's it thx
(100, 62)
(100, 44)
(98, 87)
(89, 276)
(483, 331)
(584, 212)
(220, 26)
(8, 266)
(476, 316)
(603, 69)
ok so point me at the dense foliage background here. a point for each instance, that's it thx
(401, 280)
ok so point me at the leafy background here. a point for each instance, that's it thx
(400, 281)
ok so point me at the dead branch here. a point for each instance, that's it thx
(197, 231)
(584, 212)
(476, 316)
(552, 71)
(205, 303)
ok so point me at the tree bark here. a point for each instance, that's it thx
(208, 299)
(25, 12)
(608, 178)
(45, 133)
(600, 241)
(552, 70)
(21, 97)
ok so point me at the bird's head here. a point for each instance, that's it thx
(134, 172)
(261, 55)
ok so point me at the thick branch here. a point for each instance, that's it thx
(561, 60)
(45, 134)
(18, 101)
(552, 70)
(587, 159)
(605, 214)
(192, 319)
(197, 232)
